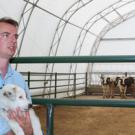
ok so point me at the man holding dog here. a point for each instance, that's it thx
(8, 45)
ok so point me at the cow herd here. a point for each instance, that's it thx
(124, 83)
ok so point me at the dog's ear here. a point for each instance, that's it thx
(14, 89)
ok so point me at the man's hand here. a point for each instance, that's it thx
(23, 119)
(10, 133)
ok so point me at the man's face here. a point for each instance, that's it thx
(8, 40)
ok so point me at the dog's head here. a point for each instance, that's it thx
(14, 96)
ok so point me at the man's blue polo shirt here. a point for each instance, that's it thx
(12, 77)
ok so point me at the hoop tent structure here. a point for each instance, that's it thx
(73, 28)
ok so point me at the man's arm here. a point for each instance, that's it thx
(5, 127)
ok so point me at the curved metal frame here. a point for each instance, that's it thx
(61, 27)
(26, 12)
(102, 33)
(91, 22)
(64, 20)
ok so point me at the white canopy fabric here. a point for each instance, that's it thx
(73, 28)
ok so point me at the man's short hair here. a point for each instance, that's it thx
(9, 21)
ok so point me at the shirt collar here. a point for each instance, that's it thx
(9, 71)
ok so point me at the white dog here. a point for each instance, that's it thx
(11, 97)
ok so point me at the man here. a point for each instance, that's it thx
(8, 45)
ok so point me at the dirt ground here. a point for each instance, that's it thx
(90, 120)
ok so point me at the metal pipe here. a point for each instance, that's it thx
(75, 59)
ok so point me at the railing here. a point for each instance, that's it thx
(51, 103)
(75, 59)
(60, 85)
(52, 85)
(80, 59)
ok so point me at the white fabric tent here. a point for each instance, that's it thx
(73, 28)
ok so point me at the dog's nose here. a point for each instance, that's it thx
(30, 105)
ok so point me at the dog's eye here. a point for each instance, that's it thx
(5, 94)
(20, 97)
(9, 93)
